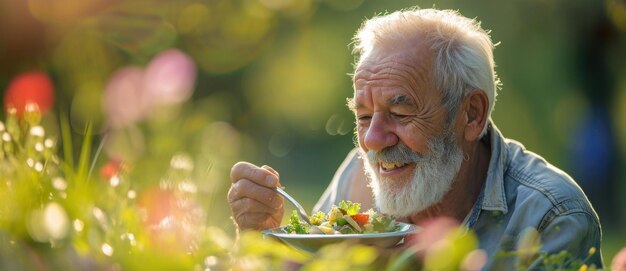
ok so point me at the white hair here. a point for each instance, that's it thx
(463, 50)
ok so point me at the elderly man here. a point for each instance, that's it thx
(424, 90)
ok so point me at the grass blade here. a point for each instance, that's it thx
(66, 138)
(85, 153)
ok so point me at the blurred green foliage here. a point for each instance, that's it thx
(272, 80)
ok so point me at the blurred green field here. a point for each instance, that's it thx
(613, 240)
(270, 85)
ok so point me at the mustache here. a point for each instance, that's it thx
(399, 153)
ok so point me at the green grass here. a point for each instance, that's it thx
(613, 240)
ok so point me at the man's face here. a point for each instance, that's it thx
(410, 154)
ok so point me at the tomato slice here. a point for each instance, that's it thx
(362, 219)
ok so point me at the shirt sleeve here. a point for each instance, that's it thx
(578, 233)
(340, 186)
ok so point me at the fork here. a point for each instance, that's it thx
(301, 212)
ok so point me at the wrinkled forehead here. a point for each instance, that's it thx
(402, 77)
(416, 56)
(392, 43)
(412, 64)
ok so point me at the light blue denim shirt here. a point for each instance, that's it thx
(522, 191)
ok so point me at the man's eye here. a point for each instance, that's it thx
(398, 116)
(364, 117)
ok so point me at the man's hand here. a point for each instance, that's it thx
(253, 201)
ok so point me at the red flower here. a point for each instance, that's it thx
(30, 87)
(110, 169)
(159, 204)
(171, 219)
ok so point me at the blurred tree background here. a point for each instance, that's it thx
(273, 77)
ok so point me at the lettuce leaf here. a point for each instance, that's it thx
(384, 223)
(295, 225)
(317, 218)
(351, 208)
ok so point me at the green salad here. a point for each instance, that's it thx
(342, 219)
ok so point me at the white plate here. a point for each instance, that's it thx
(313, 242)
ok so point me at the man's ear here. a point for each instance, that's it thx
(476, 108)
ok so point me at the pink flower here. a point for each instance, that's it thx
(170, 77)
(619, 261)
(133, 92)
(124, 100)
(432, 230)
(442, 244)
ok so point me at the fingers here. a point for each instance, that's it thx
(261, 176)
(251, 214)
(248, 205)
(257, 221)
(252, 199)
(272, 170)
(246, 189)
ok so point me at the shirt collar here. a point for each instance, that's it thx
(494, 197)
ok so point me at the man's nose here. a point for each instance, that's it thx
(380, 133)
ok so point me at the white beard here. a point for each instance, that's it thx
(432, 178)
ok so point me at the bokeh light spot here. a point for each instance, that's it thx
(39, 147)
(211, 261)
(276, 4)
(182, 162)
(38, 167)
(115, 180)
(257, 9)
(48, 224)
(78, 225)
(191, 17)
(438, 256)
(56, 221)
(337, 125)
(138, 34)
(59, 184)
(280, 144)
(107, 249)
(529, 243)
(37, 131)
(474, 261)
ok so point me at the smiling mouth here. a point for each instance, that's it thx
(388, 166)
